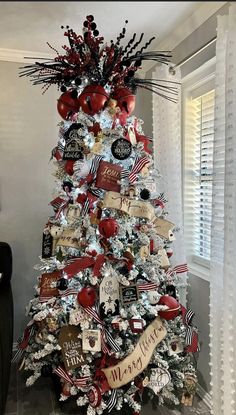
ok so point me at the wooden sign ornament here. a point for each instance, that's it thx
(137, 208)
(134, 364)
(71, 347)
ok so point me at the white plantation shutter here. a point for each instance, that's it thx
(198, 167)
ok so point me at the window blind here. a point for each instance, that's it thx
(199, 137)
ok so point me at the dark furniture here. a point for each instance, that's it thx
(6, 321)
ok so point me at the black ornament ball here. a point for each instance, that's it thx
(63, 88)
(121, 149)
(95, 32)
(74, 94)
(85, 24)
(93, 26)
(130, 73)
(145, 194)
(138, 63)
(78, 81)
(62, 284)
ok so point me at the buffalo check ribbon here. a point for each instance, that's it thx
(79, 383)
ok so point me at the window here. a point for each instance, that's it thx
(199, 103)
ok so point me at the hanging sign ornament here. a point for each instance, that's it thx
(109, 296)
(121, 149)
(71, 347)
(137, 208)
(159, 378)
(134, 364)
(74, 147)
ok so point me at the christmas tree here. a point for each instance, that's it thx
(106, 317)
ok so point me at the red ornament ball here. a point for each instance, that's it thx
(125, 100)
(173, 310)
(108, 228)
(66, 105)
(87, 297)
(93, 99)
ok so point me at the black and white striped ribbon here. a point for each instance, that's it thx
(97, 192)
(189, 329)
(60, 146)
(95, 163)
(112, 400)
(85, 208)
(111, 341)
(106, 336)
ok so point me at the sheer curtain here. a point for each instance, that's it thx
(167, 156)
(223, 247)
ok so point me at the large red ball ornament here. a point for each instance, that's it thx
(125, 100)
(173, 310)
(108, 227)
(66, 105)
(93, 99)
(87, 297)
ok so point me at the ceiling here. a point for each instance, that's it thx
(29, 25)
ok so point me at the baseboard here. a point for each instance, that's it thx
(205, 396)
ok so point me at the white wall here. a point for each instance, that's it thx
(28, 132)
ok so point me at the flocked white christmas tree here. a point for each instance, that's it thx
(106, 317)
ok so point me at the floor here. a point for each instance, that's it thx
(40, 399)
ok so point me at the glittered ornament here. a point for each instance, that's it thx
(67, 105)
(125, 100)
(173, 307)
(87, 297)
(108, 227)
(93, 99)
(121, 149)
